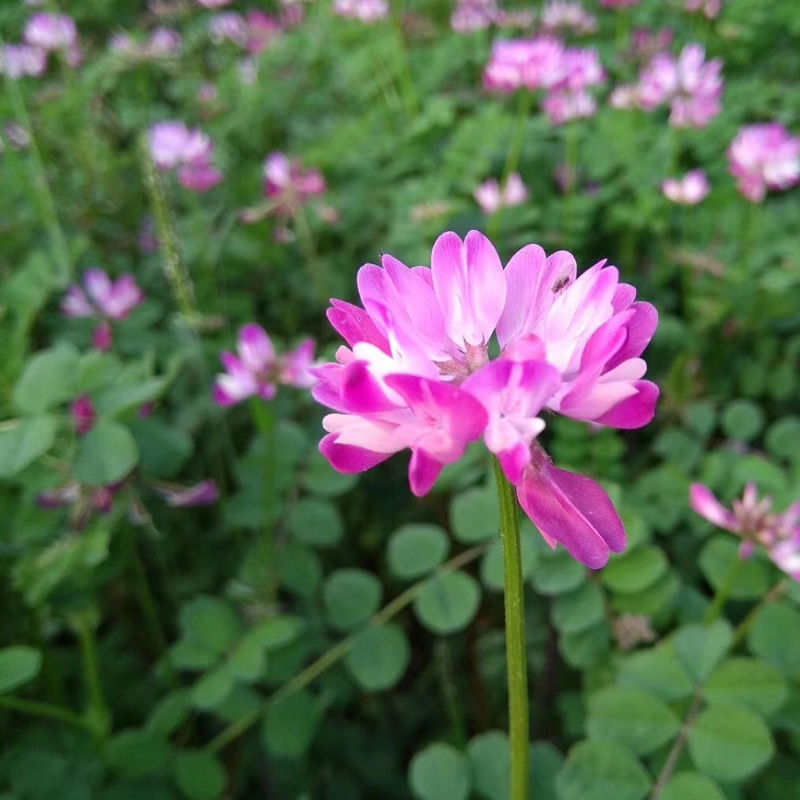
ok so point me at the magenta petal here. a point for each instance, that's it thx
(348, 458)
(703, 501)
(574, 511)
(361, 392)
(641, 327)
(635, 411)
(423, 470)
(514, 462)
(354, 324)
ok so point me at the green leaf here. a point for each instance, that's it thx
(701, 647)
(545, 764)
(248, 661)
(322, 479)
(300, 569)
(557, 573)
(189, 654)
(650, 601)
(439, 771)
(169, 713)
(213, 688)
(475, 515)
(289, 725)
(116, 399)
(691, 786)
(636, 570)
(277, 631)
(716, 560)
(23, 441)
(106, 454)
(415, 550)
(742, 420)
(658, 671)
(199, 775)
(379, 657)
(489, 761)
(775, 636)
(602, 770)
(730, 743)
(448, 602)
(748, 682)
(578, 610)
(585, 648)
(351, 597)
(315, 522)
(163, 448)
(783, 438)
(18, 665)
(135, 753)
(50, 378)
(631, 717)
(210, 622)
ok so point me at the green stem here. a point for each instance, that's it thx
(98, 716)
(514, 153)
(749, 227)
(337, 652)
(41, 188)
(571, 162)
(723, 590)
(306, 239)
(46, 710)
(775, 593)
(404, 67)
(516, 657)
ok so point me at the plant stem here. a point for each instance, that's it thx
(318, 276)
(46, 710)
(337, 652)
(723, 590)
(571, 163)
(98, 716)
(516, 657)
(404, 67)
(775, 593)
(677, 747)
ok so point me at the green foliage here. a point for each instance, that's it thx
(18, 665)
(414, 550)
(439, 771)
(447, 602)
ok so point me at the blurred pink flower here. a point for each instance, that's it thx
(688, 190)
(51, 31)
(229, 26)
(524, 63)
(163, 42)
(256, 369)
(82, 413)
(416, 374)
(764, 156)
(473, 15)
(711, 8)
(565, 105)
(363, 10)
(201, 494)
(619, 3)
(754, 522)
(566, 15)
(214, 3)
(647, 42)
(288, 185)
(262, 30)
(173, 145)
(490, 198)
(19, 60)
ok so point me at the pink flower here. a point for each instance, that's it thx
(173, 145)
(262, 31)
(214, 3)
(490, 198)
(524, 63)
(565, 15)
(201, 494)
(164, 42)
(103, 297)
(364, 10)
(51, 32)
(565, 105)
(764, 156)
(288, 184)
(256, 369)
(228, 26)
(619, 3)
(19, 60)
(688, 190)
(473, 15)
(710, 8)
(416, 373)
(753, 521)
(82, 413)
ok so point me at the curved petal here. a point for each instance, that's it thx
(348, 458)
(703, 501)
(635, 411)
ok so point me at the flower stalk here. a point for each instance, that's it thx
(516, 658)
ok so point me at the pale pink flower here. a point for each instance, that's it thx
(20, 60)
(490, 198)
(262, 30)
(524, 63)
(103, 297)
(363, 10)
(83, 414)
(173, 145)
(711, 8)
(566, 15)
(417, 374)
(51, 32)
(753, 520)
(257, 370)
(688, 190)
(164, 42)
(473, 15)
(214, 3)
(647, 42)
(228, 26)
(624, 96)
(204, 493)
(764, 156)
(288, 185)
(565, 105)
(619, 3)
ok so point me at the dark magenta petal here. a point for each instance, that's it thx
(348, 458)
(635, 411)
(423, 470)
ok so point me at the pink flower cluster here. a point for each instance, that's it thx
(288, 185)
(544, 62)
(104, 299)
(762, 157)
(619, 3)
(690, 85)
(475, 15)
(688, 190)
(163, 42)
(711, 8)
(44, 33)
(752, 519)
(254, 31)
(567, 15)
(363, 10)
(416, 373)
(174, 146)
(490, 197)
(255, 370)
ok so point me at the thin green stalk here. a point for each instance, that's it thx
(175, 271)
(404, 67)
(46, 710)
(41, 187)
(723, 590)
(315, 266)
(775, 593)
(524, 104)
(443, 659)
(98, 715)
(749, 227)
(264, 417)
(516, 656)
(337, 653)
(571, 161)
